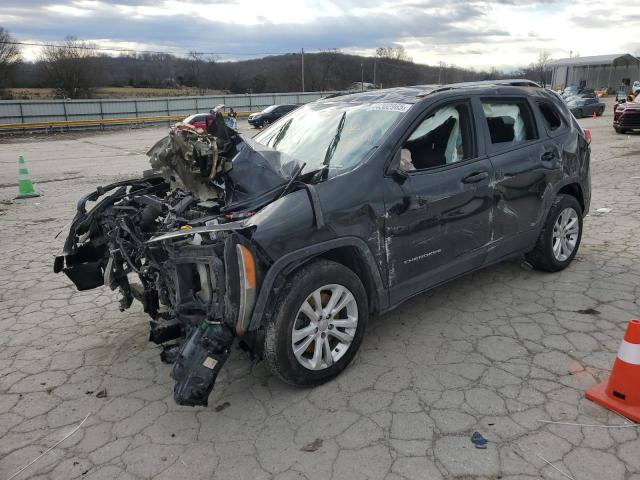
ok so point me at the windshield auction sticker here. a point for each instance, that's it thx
(390, 107)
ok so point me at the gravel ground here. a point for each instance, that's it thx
(494, 352)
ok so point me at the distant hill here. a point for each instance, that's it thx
(281, 73)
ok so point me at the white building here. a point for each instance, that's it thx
(600, 71)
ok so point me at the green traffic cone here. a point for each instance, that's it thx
(25, 187)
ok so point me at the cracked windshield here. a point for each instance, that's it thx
(333, 136)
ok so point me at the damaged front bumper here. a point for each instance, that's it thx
(194, 270)
(198, 283)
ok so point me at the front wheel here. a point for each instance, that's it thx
(560, 237)
(318, 324)
(578, 114)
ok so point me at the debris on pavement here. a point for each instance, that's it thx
(628, 425)
(313, 446)
(22, 469)
(222, 406)
(603, 210)
(479, 441)
(588, 311)
(102, 393)
(554, 467)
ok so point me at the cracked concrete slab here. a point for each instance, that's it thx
(493, 352)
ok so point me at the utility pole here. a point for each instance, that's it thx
(375, 62)
(361, 76)
(303, 70)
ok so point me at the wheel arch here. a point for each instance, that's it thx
(352, 252)
(351, 257)
(575, 190)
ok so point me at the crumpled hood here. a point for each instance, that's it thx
(191, 161)
(257, 173)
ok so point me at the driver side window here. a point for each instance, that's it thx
(443, 138)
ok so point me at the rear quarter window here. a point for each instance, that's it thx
(551, 118)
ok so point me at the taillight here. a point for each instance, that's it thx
(587, 135)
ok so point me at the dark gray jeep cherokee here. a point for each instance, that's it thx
(342, 209)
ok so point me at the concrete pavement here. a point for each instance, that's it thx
(494, 352)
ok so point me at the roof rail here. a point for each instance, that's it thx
(516, 82)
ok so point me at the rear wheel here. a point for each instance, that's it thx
(578, 114)
(619, 130)
(560, 237)
(600, 112)
(318, 324)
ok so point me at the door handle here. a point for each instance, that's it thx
(475, 177)
(548, 156)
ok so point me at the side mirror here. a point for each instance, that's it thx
(395, 171)
(400, 175)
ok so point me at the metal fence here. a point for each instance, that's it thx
(32, 111)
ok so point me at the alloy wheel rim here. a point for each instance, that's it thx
(565, 234)
(324, 327)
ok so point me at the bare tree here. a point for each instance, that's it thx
(10, 57)
(541, 67)
(73, 68)
(200, 71)
(394, 53)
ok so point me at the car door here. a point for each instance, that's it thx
(591, 106)
(437, 201)
(526, 162)
(277, 113)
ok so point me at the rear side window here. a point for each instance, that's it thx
(510, 123)
(550, 117)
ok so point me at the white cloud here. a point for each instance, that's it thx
(476, 33)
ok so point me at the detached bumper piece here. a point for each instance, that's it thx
(200, 360)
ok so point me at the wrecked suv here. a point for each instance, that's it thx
(286, 243)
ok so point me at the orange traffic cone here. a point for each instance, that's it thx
(594, 115)
(621, 393)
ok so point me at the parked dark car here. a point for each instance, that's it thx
(626, 116)
(269, 115)
(585, 107)
(290, 241)
(573, 90)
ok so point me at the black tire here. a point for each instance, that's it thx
(277, 343)
(579, 114)
(600, 112)
(619, 130)
(542, 257)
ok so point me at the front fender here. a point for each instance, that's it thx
(297, 257)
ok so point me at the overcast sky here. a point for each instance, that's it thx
(500, 33)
